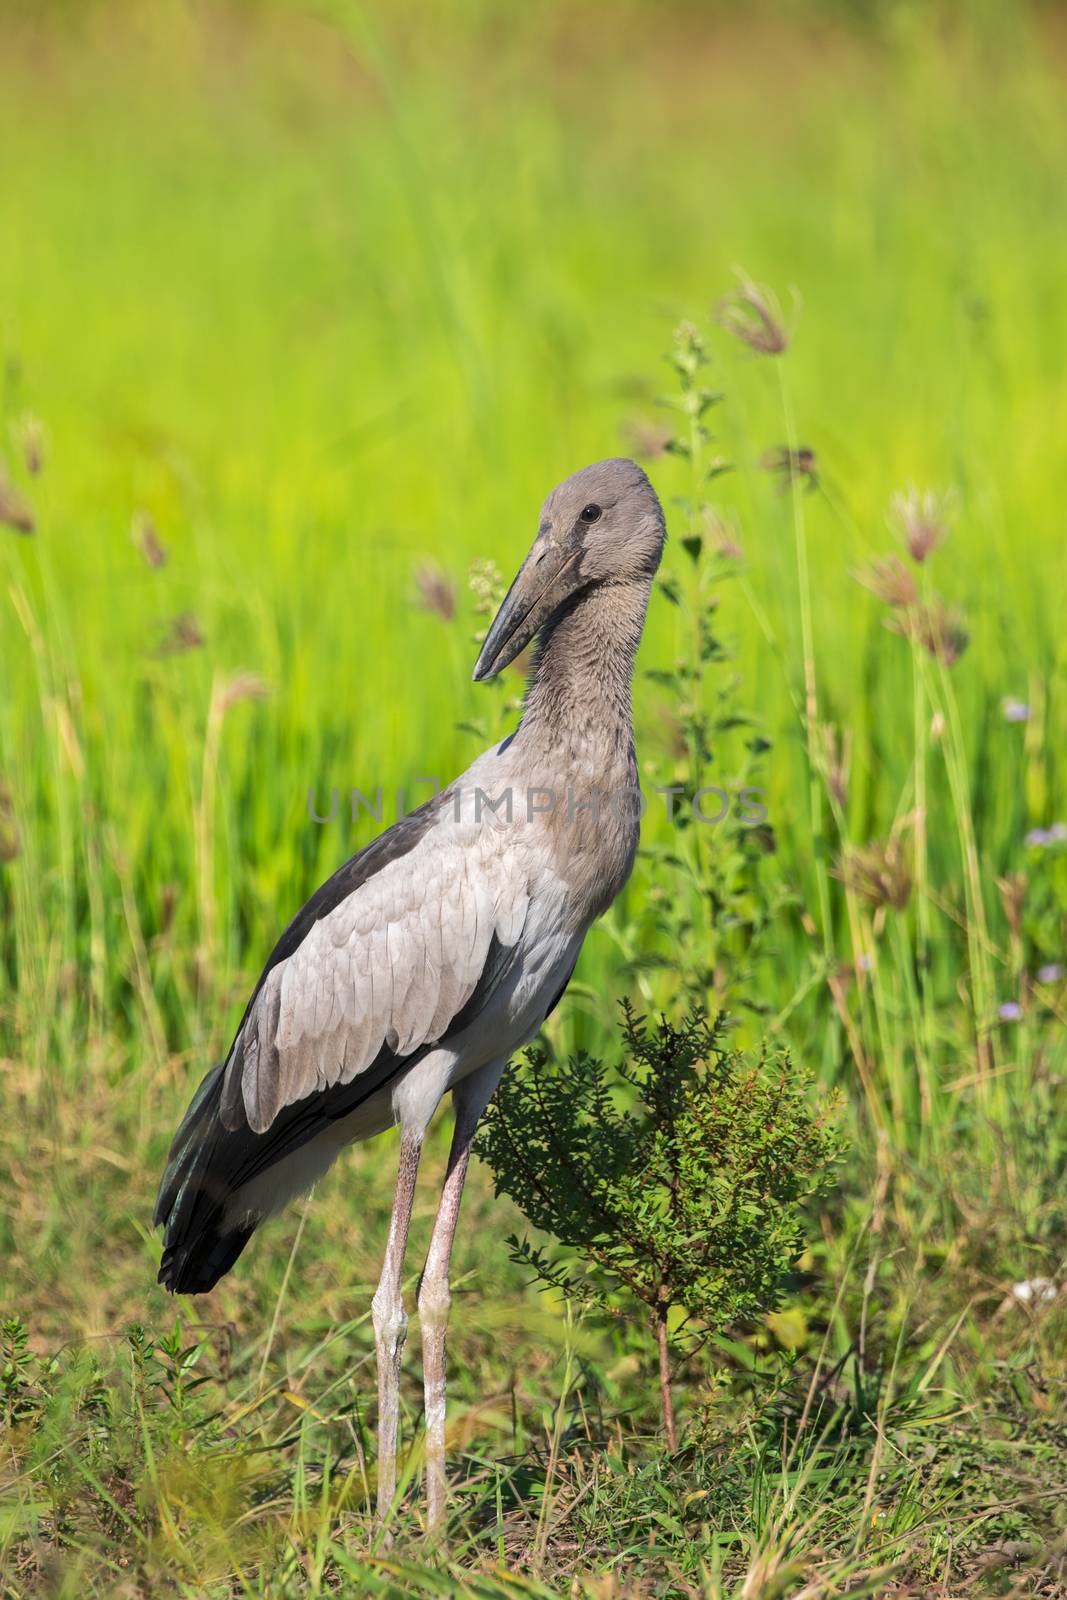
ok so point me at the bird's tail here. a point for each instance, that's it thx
(221, 1182)
(198, 1244)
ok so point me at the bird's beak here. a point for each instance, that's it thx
(547, 577)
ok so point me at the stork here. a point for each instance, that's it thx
(438, 950)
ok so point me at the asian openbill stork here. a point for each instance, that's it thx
(439, 949)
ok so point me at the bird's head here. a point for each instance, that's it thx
(603, 525)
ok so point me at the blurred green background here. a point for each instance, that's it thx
(322, 293)
(302, 310)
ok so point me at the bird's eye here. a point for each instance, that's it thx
(590, 513)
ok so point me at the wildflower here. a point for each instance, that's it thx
(1040, 838)
(939, 628)
(15, 510)
(791, 466)
(436, 591)
(1051, 972)
(752, 314)
(148, 541)
(1016, 711)
(1010, 1011)
(877, 872)
(889, 580)
(921, 520)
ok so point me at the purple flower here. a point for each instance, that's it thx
(1016, 711)
(1011, 1011)
(1039, 837)
(1051, 972)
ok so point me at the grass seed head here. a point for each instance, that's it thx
(435, 591)
(184, 633)
(791, 466)
(878, 872)
(243, 685)
(752, 314)
(27, 433)
(1012, 891)
(9, 837)
(890, 581)
(921, 519)
(940, 629)
(15, 509)
(723, 534)
(168, 900)
(646, 440)
(148, 541)
(835, 759)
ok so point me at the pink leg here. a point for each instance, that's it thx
(390, 1321)
(435, 1296)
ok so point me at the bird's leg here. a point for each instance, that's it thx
(435, 1297)
(390, 1320)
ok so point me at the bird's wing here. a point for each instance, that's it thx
(391, 963)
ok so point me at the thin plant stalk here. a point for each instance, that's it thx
(666, 1395)
(541, 1537)
(696, 466)
(920, 1079)
(859, 951)
(921, 723)
(977, 933)
(811, 697)
(204, 836)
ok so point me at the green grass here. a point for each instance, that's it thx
(327, 294)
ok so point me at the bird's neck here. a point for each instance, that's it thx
(579, 698)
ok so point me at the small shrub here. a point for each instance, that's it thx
(676, 1177)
